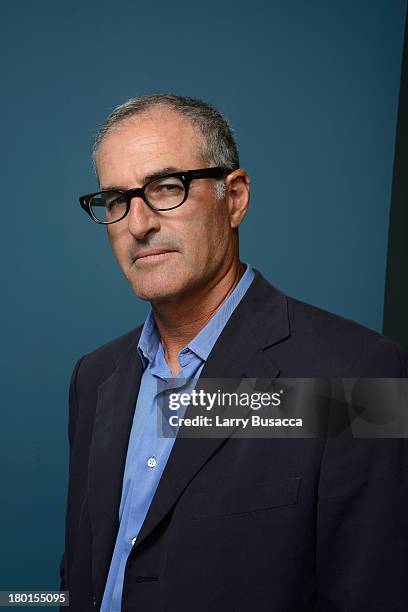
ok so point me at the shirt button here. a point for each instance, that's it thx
(133, 541)
(151, 462)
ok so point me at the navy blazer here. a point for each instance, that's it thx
(284, 525)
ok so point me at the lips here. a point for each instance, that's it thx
(151, 253)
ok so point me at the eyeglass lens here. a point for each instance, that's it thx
(163, 193)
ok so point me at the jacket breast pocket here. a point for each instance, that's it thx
(242, 500)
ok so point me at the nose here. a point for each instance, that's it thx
(142, 220)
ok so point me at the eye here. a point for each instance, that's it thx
(115, 200)
(108, 199)
(167, 187)
(170, 187)
(166, 192)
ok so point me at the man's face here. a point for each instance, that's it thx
(197, 237)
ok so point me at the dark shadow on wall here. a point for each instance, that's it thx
(396, 286)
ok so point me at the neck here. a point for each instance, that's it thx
(180, 321)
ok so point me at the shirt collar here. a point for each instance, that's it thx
(204, 341)
(149, 340)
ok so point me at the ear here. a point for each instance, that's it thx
(237, 195)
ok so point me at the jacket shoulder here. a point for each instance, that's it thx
(350, 347)
(309, 319)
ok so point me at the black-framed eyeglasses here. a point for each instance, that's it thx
(164, 192)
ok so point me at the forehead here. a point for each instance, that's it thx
(145, 143)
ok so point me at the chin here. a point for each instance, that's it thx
(156, 291)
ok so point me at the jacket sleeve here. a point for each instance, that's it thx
(362, 525)
(73, 410)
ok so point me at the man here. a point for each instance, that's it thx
(227, 524)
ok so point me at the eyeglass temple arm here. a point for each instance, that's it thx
(210, 173)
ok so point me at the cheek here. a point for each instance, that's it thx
(211, 236)
(119, 239)
(206, 229)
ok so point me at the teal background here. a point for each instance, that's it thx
(311, 89)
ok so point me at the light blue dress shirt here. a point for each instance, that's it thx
(148, 453)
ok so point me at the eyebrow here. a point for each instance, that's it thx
(149, 177)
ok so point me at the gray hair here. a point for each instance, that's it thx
(219, 146)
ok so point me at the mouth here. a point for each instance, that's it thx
(153, 256)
